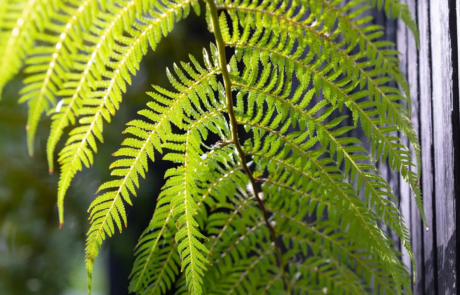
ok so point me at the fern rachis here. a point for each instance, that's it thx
(242, 208)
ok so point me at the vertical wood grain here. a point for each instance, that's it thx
(442, 73)
(387, 173)
(404, 189)
(426, 142)
(416, 229)
(455, 33)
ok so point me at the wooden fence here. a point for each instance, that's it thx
(432, 71)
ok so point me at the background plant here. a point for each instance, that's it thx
(279, 212)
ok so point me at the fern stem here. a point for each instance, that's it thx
(234, 127)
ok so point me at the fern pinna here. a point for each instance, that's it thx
(296, 207)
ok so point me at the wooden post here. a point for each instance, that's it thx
(445, 205)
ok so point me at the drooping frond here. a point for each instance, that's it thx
(328, 240)
(357, 165)
(396, 9)
(20, 22)
(271, 114)
(299, 170)
(355, 158)
(157, 262)
(243, 263)
(50, 62)
(103, 35)
(184, 110)
(276, 31)
(187, 180)
(289, 224)
(101, 105)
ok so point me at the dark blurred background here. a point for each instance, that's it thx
(35, 256)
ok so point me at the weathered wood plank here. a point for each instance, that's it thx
(416, 223)
(426, 141)
(443, 147)
(404, 189)
(386, 172)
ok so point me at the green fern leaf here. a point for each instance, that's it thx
(163, 111)
(157, 261)
(50, 62)
(21, 21)
(99, 105)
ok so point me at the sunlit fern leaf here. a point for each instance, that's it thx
(357, 165)
(20, 22)
(184, 203)
(245, 276)
(183, 110)
(183, 184)
(142, 279)
(49, 62)
(97, 105)
(327, 239)
(89, 67)
(242, 263)
(79, 85)
(271, 142)
(266, 17)
(157, 262)
(279, 49)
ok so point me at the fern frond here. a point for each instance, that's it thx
(184, 183)
(100, 105)
(322, 42)
(21, 21)
(142, 280)
(245, 276)
(358, 166)
(50, 62)
(394, 8)
(103, 35)
(374, 236)
(280, 51)
(168, 108)
(184, 205)
(234, 222)
(326, 239)
(157, 262)
(329, 179)
(314, 174)
(300, 70)
(229, 223)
